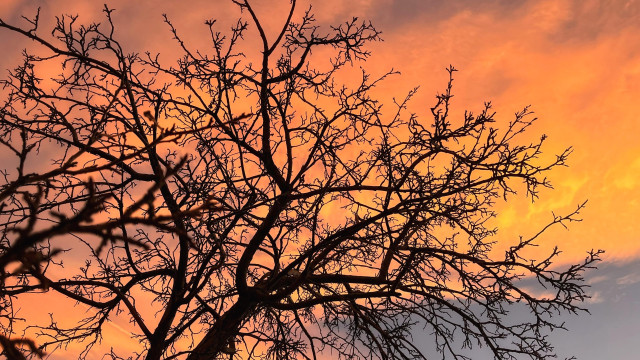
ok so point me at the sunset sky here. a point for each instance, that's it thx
(577, 63)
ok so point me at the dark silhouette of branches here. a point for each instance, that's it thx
(259, 207)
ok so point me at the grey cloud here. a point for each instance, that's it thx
(393, 14)
(610, 332)
(591, 19)
(587, 20)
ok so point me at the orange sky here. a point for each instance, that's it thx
(578, 65)
(576, 62)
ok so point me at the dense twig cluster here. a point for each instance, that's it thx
(269, 211)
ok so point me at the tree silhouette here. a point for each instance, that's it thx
(267, 210)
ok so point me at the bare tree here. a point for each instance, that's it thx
(269, 211)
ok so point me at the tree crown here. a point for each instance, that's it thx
(264, 209)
